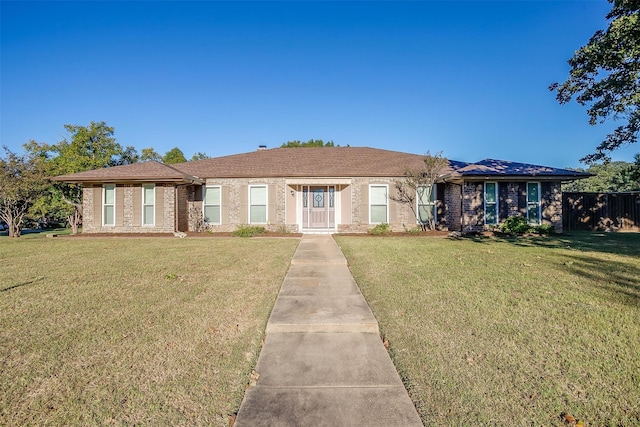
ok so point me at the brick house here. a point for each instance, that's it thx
(322, 190)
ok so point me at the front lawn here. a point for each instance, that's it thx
(132, 331)
(519, 331)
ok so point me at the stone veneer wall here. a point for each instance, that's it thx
(235, 201)
(164, 223)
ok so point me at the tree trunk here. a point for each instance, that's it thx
(74, 220)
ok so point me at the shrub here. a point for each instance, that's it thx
(544, 229)
(379, 230)
(515, 225)
(414, 230)
(245, 230)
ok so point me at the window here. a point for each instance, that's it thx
(258, 204)
(109, 205)
(426, 200)
(148, 204)
(490, 202)
(533, 202)
(211, 209)
(378, 207)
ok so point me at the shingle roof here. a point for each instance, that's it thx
(150, 171)
(312, 162)
(307, 162)
(497, 168)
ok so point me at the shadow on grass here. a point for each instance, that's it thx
(620, 279)
(613, 243)
(17, 285)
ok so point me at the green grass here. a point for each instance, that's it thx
(489, 331)
(132, 331)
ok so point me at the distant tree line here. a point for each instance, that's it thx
(608, 177)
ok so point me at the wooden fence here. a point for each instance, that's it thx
(601, 211)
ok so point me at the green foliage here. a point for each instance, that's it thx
(85, 148)
(148, 154)
(414, 230)
(379, 230)
(609, 177)
(199, 156)
(418, 185)
(515, 225)
(247, 230)
(22, 179)
(174, 156)
(544, 229)
(605, 76)
(309, 143)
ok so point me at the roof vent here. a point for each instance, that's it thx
(262, 147)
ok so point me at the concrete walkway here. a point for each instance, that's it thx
(323, 362)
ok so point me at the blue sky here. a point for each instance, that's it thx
(466, 78)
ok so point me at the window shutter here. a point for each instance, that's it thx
(522, 198)
(364, 204)
(244, 204)
(225, 205)
(503, 195)
(271, 204)
(97, 206)
(119, 205)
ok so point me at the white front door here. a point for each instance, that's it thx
(318, 206)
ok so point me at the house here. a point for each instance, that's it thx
(319, 189)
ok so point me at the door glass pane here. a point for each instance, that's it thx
(318, 198)
(305, 193)
(331, 196)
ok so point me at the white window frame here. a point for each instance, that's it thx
(538, 203)
(386, 187)
(484, 197)
(146, 203)
(433, 202)
(105, 205)
(219, 204)
(266, 205)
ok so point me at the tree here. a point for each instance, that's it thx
(22, 179)
(199, 156)
(173, 156)
(416, 189)
(309, 143)
(84, 148)
(609, 177)
(150, 154)
(605, 76)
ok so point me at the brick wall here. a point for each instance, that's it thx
(551, 205)
(472, 207)
(129, 210)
